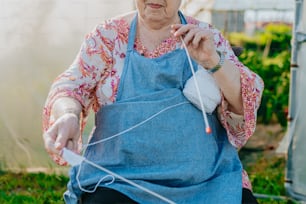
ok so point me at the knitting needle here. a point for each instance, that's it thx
(207, 129)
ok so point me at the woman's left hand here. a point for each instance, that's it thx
(199, 42)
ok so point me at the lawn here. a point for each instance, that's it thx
(266, 170)
(31, 188)
(267, 175)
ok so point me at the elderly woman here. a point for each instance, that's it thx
(132, 70)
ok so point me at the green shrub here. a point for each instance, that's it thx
(268, 54)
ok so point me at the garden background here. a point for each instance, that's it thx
(41, 38)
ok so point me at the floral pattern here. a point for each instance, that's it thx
(94, 76)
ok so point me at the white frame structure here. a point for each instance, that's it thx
(295, 181)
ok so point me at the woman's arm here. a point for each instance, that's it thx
(228, 79)
(65, 105)
(72, 94)
(241, 88)
(203, 48)
(240, 126)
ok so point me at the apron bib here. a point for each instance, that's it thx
(167, 150)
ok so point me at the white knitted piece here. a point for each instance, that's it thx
(209, 90)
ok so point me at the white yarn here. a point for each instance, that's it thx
(210, 92)
(75, 159)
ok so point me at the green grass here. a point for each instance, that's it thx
(29, 188)
(266, 174)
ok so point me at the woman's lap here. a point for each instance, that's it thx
(107, 196)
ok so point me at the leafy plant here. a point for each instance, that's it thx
(268, 54)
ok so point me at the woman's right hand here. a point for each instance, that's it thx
(64, 132)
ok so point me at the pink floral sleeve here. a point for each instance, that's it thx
(80, 80)
(240, 127)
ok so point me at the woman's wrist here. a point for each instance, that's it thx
(219, 64)
(70, 112)
(64, 106)
(214, 60)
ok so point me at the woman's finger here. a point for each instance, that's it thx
(175, 27)
(51, 132)
(49, 144)
(61, 140)
(68, 128)
(75, 141)
(188, 38)
(50, 137)
(201, 36)
(183, 29)
(70, 145)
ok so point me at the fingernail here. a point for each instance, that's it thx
(57, 145)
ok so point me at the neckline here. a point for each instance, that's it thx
(164, 47)
(132, 39)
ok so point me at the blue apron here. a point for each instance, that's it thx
(170, 153)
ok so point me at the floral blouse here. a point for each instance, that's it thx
(94, 76)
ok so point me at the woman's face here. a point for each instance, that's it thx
(158, 10)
